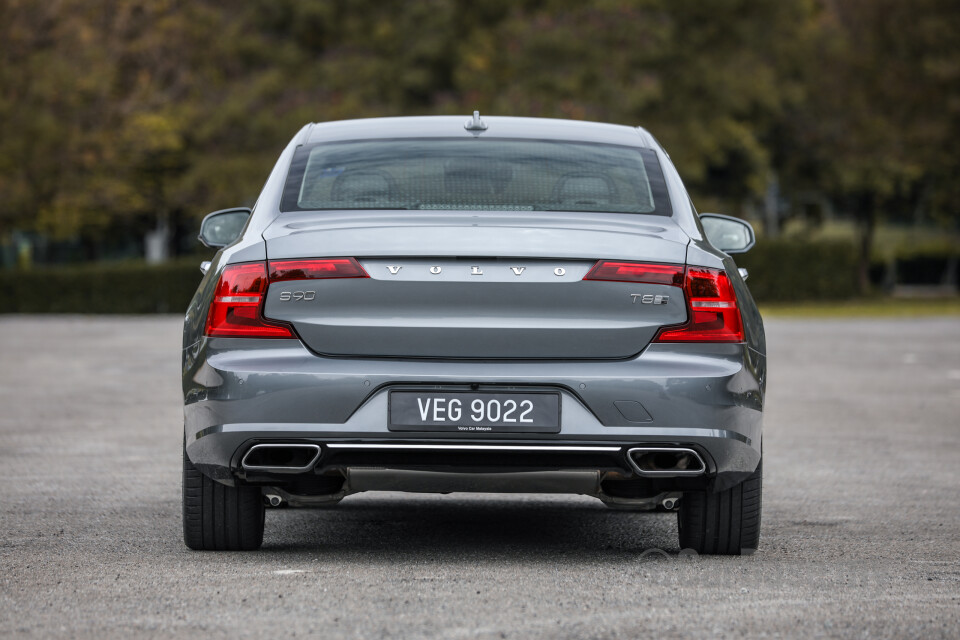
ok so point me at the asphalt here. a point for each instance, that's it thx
(861, 531)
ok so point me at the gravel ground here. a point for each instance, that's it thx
(861, 533)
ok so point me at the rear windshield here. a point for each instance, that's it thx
(476, 174)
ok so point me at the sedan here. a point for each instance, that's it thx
(496, 304)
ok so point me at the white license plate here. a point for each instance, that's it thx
(472, 412)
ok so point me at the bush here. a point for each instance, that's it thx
(925, 269)
(129, 287)
(793, 270)
(780, 271)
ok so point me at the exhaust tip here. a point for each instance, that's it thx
(666, 461)
(273, 500)
(281, 458)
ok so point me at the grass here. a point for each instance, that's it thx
(865, 308)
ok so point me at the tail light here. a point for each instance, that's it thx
(671, 274)
(315, 269)
(714, 316)
(235, 310)
(237, 307)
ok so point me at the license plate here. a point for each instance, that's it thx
(474, 412)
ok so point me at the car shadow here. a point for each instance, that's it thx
(508, 528)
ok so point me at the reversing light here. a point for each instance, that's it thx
(714, 316)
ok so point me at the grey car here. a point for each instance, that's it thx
(489, 304)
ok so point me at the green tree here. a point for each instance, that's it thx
(710, 80)
(148, 115)
(876, 128)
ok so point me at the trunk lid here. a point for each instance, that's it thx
(469, 285)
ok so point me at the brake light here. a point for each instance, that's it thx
(670, 274)
(315, 269)
(237, 307)
(235, 310)
(712, 303)
(714, 316)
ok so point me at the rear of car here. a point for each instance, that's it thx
(508, 305)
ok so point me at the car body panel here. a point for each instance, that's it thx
(497, 126)
(242, 389)
(496, 303)
(554, 234)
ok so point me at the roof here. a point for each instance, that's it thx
(497, 127)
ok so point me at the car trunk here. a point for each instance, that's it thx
(476, 284)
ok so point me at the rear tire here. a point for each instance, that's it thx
(217, 517)
(724, 523)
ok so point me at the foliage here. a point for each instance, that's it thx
(780, 271)
(125, 112)
(133, 287)
(176, 108)
(876, 127)
(792, 271)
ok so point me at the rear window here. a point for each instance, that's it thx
(476, 174)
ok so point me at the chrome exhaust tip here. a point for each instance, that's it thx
(272, 499)
(281, 458)
(666, 461)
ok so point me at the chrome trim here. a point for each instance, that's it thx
(471, 447)
(666, 473)
(273, 469)
(415, 481)
(238, 299)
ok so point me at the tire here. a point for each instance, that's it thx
(724, 523)
(217, 517)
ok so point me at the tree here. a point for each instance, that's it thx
(148, 115)
(875, 129)
(711, 80)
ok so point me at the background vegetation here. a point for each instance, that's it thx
(121, 120)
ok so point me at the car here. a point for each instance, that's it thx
(496, 304)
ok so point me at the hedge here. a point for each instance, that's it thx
(780, 270)
(792, 270)
(129, 287)
(932, 267)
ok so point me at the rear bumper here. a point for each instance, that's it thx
(242, 392)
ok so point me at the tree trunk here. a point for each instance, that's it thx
(866, 225)
(771, 206)
(157, 241)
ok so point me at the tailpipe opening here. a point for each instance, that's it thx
(281, 458)
(666, 461)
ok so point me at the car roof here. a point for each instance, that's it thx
(497, 127)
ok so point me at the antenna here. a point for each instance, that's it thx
(476, 124)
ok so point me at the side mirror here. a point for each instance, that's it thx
(729, 234)
(220, 228)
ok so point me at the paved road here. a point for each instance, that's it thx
(861, 532)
